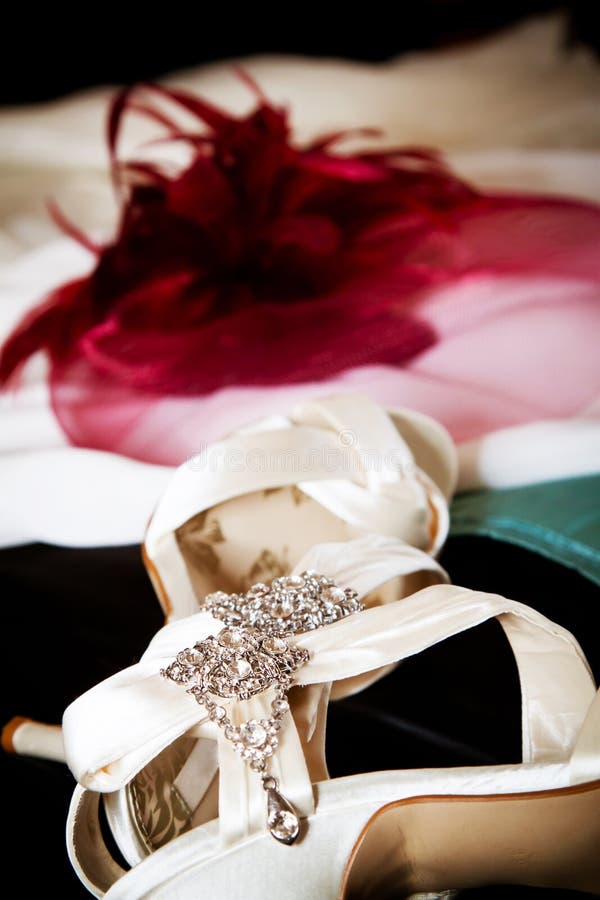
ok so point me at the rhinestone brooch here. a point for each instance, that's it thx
(252, 654)
(292, 604)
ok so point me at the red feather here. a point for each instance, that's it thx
(223, 248)
(261, 262)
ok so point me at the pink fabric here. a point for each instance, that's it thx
(529, 353)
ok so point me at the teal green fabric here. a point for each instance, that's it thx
(559, 519)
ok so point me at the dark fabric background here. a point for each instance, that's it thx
(456, 704)
(56, 49)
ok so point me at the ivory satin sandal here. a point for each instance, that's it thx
(282, 826)
(180, 784)
(246, 509)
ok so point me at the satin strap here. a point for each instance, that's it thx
(557, 690)
(115, 729)
(98, 870)
(360, 468)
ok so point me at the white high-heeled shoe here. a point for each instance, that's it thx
(140, 815)
(248, 508)
(365, 835)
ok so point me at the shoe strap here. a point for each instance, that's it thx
(557, 686)
(112, 731)
(361, 469)
(115, 729)
(88, 853)
(584, 764)
(105, 756)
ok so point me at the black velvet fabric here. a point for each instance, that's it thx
(54, 52)
(455, 704)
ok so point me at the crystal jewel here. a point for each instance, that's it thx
(284, 826)
(293, 581)
(239, 668)
(282, 819)
(275, 644)
(333, 594)
(282, 609)
(215, 598)
(235, 617)
(230, 637)
(252, 653)
(254, 734)
(189, 657)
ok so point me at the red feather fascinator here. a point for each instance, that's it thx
(258, 262)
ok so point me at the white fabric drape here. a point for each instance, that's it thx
(86, 498)
(73, 497)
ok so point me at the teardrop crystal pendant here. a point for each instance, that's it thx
(282, 818)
